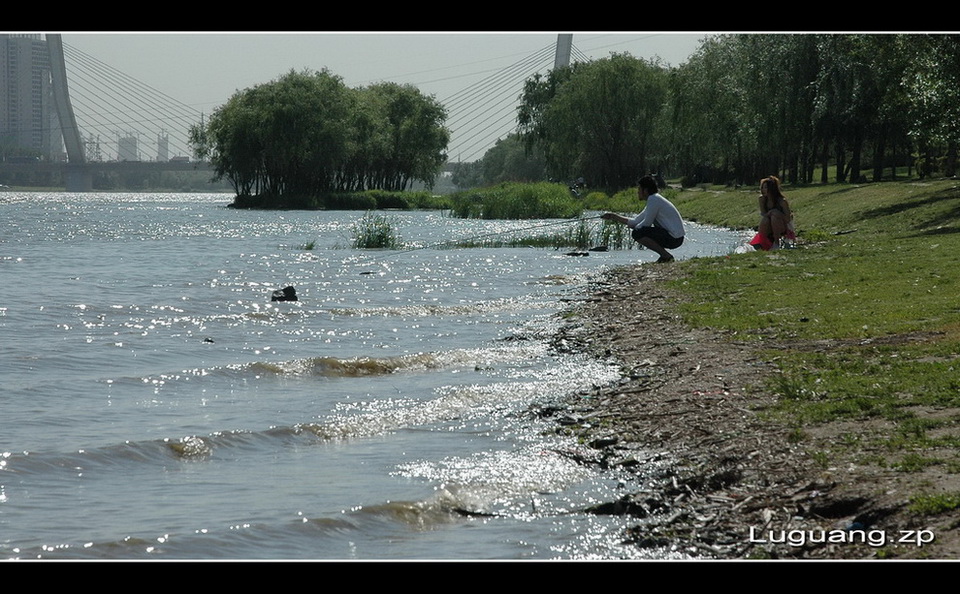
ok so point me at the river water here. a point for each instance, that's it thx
(156, 404)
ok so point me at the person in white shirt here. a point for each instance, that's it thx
(660, 226)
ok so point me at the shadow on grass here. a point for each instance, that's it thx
(940, 223)
(937, 231)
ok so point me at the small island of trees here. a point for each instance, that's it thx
(299, 141)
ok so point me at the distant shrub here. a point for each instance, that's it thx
(596, 201)
(624, 201)
(517, 201)
(367, 200)
(349, 202)
(428, 201)
(384, 200)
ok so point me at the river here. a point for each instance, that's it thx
(156, 404)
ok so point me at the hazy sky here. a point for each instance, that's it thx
(204, 69)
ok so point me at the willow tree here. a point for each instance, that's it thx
(597, 119)
(306, 134)
(932, 80)
(750, 105)
(409, 140)
(707, 111)
(282, 139)
(509, 161)
(231, 143)
(305, 130)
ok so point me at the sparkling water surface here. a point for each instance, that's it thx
(156, 404)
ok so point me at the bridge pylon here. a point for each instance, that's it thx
(564, 46)
(77, 177)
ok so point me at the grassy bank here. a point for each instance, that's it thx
(863, 320)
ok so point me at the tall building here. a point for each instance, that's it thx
(163, 146)
(28, 120)
(127, 148)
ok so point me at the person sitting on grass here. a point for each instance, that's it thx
(659, 226)
(776, 219)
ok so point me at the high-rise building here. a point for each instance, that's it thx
(127, 148)
(163, 146)
(29, 125)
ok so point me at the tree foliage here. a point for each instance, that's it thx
(746, 106)
(507, 161)
(306, 134)
(596, 120)
(802, 106)
(932, 82)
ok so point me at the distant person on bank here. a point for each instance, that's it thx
(659, 227)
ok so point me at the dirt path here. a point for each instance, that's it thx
(727, 483)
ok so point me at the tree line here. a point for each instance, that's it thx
(806, 107)
(307, 134)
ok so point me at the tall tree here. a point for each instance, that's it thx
(283, 138)
(932, 79)
(507, 160)
(538, 93)
(710, 136)
(414, 138)
(596, 120)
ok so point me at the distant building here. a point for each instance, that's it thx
(163, 146)
(127, 148)
(28, 119)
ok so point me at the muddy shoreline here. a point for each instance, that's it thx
(728, 482)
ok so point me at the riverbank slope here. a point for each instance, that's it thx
(798, 404)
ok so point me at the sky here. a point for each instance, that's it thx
(203, 69)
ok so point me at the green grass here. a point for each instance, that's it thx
(894, 274)
(925, 206)
(914, 462)
(930, 505)
(870, 295)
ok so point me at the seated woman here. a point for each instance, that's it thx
(776, 218)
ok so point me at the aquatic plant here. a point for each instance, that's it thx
(615, 236)
(374, 231)
(585, 234)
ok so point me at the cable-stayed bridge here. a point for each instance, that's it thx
(112, 121)
(123, 119)
(485, 111)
